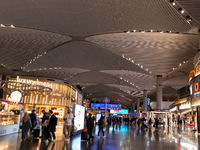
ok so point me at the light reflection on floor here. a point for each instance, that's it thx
(119, 137)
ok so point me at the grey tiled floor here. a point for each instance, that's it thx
(120, 137)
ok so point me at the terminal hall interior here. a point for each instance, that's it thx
(126, 61)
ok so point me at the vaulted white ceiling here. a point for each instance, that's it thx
(112, 49)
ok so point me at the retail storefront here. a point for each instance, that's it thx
(62, 97)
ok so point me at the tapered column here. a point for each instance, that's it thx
(133, 106)
(145, 100)
(138, 104)
(159, 95)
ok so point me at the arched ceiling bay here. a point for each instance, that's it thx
(92, 16)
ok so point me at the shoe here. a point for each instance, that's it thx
(46, 142)
(98, 137)
(54, 141)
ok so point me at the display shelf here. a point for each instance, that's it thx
(8, 119)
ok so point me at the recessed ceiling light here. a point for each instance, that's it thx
(12, 26)
(134, 30)
(174, 3)
(2, 25)
(182, 11)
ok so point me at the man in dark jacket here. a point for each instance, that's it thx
(33, 118)
(90, 124)
(52, 125)
(156, 123)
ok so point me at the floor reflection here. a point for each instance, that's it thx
(119, 137)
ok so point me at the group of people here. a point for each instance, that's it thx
(49, 122)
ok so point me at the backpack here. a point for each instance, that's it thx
(100, 122)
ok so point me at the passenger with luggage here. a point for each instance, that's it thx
(52, 125)
(156, 123)
(33, 118)
(101, 124)
(26, 124)
(90, 125)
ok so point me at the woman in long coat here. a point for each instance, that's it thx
(26, 124)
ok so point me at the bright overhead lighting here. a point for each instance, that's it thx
(174, 3)
(161, 31)
(12, 26)
(134, 30)
(151, 30)
(2, 25)
(128, 32)
(182, 11)
(132, 61)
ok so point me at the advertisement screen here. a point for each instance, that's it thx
(122, 111)
(102, 106)
(98, 116)
(79, 113)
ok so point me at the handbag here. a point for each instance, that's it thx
(20, 126)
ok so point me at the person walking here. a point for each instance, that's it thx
(156, 123)
(101, 124)
(43, 119)
(90, 125)
(26, 124)
(44, 127)
(150, 122)
(33, 118)
(69, 122)
(138, 122)
(52, 125)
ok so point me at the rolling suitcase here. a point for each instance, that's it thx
(36, 131)
(84, 134)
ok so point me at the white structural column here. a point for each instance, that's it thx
(138, 104)
(145, 100)
(159, 95)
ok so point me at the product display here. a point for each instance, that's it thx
(8, 119)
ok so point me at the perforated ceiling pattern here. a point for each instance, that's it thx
(19, 45)
(142, 81)
(83, 55)
(155, 51)
(92, 16)
(96, 77)
(192, 7)
(58, 73)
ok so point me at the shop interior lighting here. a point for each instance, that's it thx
(151, 30)
(128, 32)
(134, 30)
(161, 31)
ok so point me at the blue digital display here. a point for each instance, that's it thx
(122, 111)
(134, 114)
(102, 106)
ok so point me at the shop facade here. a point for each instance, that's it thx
(60, 99)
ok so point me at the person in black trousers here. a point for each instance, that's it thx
(90, 125)
(43, 119)
(52, 125)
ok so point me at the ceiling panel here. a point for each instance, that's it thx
(192, 7)
(20, 45)
(92, 16)
(155, 51)
(83, 55)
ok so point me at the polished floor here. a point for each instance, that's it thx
(120, 137)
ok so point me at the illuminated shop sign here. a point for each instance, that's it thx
(173, 109)
(122, 111)
(186, 106)
(194, 72)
